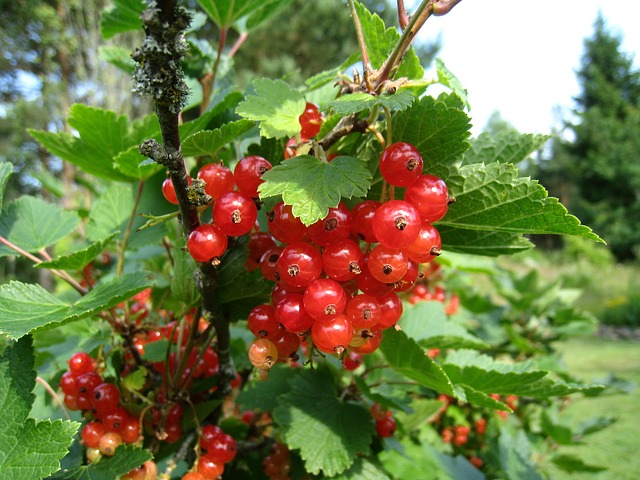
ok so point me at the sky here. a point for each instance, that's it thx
(520, 57)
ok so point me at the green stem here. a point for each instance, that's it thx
(127, 232)
(366, 63)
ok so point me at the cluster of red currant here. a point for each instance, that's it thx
(219, 447)
(385, 423)
(277, 465)
(85, 390)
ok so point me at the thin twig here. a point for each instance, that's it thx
(403, 19)
(366, 63)
(55, 396)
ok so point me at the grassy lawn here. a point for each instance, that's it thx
(618, 446)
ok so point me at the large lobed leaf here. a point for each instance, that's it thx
(29, 449)
(208, 142)
(329, 433)
(504, 147)
(26, 308)
(312, 185)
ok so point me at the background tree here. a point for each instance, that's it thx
(597, 170)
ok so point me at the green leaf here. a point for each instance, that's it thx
(33, 224)
(406, 357)
(183, 286)
(117, 56)
(427, 324)
(275, 105)
(110, 211)
(225, 13)
(123, 17)
(504, 147)
(477, 242)
(156, 351)
(135, 165)
(357, 102)
(516, 456)
(208, 142)
(6, 170)
(448, 79)
(329, 432)
(268, 10)
(29, 449)
(571, 464)
(79, 259)
(493, 198)
(126, 458)
(102, 134)
(26, 308)
(364, 469)
(263, 394)
(227, 103)
(439, 132)
(311, 186)
(424, 410)
(380, 41)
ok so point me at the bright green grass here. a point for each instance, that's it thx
(618, 446)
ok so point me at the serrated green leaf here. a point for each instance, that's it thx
(341, 430)
(29, 450)
(275, 105)
(33, 224)
(571, 464)
(440, 133)
(208, 142)
(26, 308)
(117, 56)
(480, 399)
(227, 103)
(427, 323)
(448, 79)
(406, 357)
(424, 411)
(135, 165)
(6, 170)
(493, 198)
(380, 41)
(263, 394)
(102, 134)
(312, 186)
(156, 351)
(79, 259)
(504, 147)
(136, 380)
(267, 11)
(110, 211)
(126, 458)
(123, 17)
(477, 242)
(225, 13)
(357, 102)
(364, 469)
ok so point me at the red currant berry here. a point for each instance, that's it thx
(370, 285)
(262, 321)
(109, 442)
(263, 354)
(300, 263)
(430, 196)
(269, 263)
(324, 298)
(351, 361)
(366, 340)
(361, 220)
(390, 310)
(284, 226)
(130, 430)
(92, 432)
(207, 242)
(396, 224)
(114, 420)
(68, 384)
(408, 281)
(259, 243)
(387, 265)
(310, 121)
(332, 335)
(341, 261)
(169, 191)
(80, 363)
(290, 312)
(426, 246)
(106, 398)
(386, 427)
(333, 228)
(209, 468)
(234, 213)
(209, 432)
(364, 311)
(87, 383)
(222, 448)
(194, 476)
(287, 344)
(400, 164)
(218, 179)
(248, 173)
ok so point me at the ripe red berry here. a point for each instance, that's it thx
(115, 419)
(386, 427)
(341, 261)
(364, 311)
(310, 121)
(269, 263)
(400, 164)
(218, 179)
(80, 363)
(87, 382)
(209, 468)
(366, 340)
(387, 265)
(324, 298)
(333, 228)
(262, 321)
(369, 284)
(206, 243)
(92, 432)
(222, 448)
(283, 225)
(106, 398)
(332, 335)
(235, 213)
(390, 310)
(209, 432)
(169, 191)
(426, 246)
(290, 312)
(351, 361)
(68, 384)
(130, 430)
(396, 224)
(361, 220)
(299, 264)
(429, 194)
(248, 173)
(287, 344)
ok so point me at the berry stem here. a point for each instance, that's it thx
(403, 19)
(55, 396)
(366, 63)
